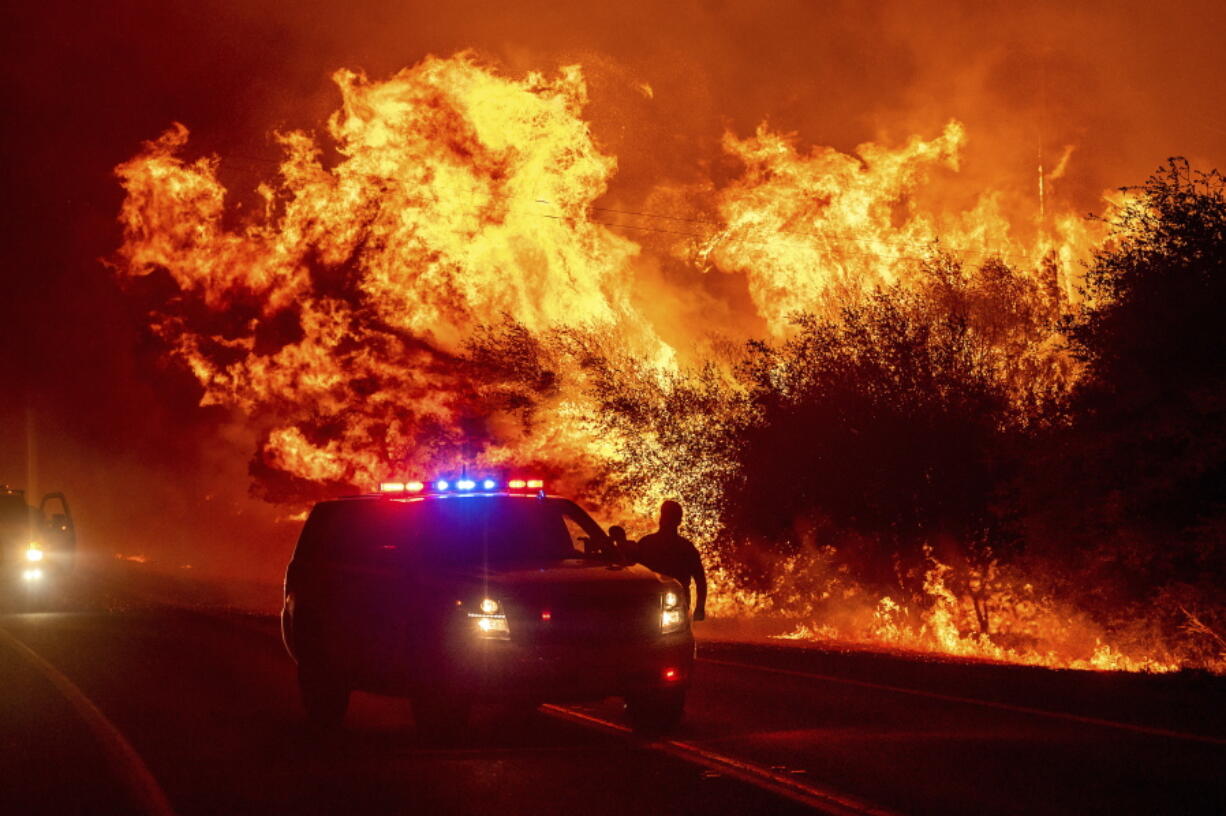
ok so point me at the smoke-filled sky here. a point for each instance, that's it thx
(90, 403)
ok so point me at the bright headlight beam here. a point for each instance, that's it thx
(672, 613)
(492, 625)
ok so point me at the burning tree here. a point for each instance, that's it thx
(1129, 491)
(906, 448)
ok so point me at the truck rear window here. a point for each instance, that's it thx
(471, 531)
(459, 531)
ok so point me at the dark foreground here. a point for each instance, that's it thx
(207, 700)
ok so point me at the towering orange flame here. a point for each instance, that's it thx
(451, 196)
(458, 196)
(815, 231)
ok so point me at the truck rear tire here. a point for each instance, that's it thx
(441, 719)
(325, 697)
(656, 712)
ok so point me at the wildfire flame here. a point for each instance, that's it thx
(449, 196)
(1029, 627)
(458, 196)
(816, 231)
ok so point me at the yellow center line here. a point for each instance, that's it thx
(824, 800)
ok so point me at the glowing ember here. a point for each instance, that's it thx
(137, 559)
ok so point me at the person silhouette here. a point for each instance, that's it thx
(667, 552)
(622, 546)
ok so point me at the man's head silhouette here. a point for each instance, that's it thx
(670, 516)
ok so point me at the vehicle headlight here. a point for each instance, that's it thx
(33, 574)
(34, 553)
(490, 622)
(672, 613)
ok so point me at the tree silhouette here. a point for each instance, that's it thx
(1151, 408)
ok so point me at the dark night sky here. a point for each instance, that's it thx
(88, 404)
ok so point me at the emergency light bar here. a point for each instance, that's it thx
(464, 485)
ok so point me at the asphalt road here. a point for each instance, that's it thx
(204, 701)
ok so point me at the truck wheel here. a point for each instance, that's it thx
(519, 717)
(655, 712)
(441, 719)
(325, 697)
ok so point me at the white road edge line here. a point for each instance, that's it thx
(952, 698)
(120, 754)
(821, 799)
